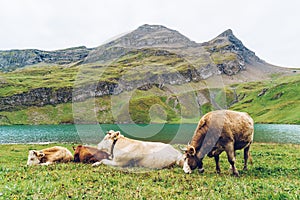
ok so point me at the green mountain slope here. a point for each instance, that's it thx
(275, 101)
(150, 75)
(278, 104)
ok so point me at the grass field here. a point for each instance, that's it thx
(275, 174)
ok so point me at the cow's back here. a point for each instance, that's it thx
(92, 154)
(236, 126)
(145, 154)
(57, 154)
(241, 125)
(159, 155)
(167, 157)
(223, 126)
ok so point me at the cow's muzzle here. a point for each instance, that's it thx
(186, 168)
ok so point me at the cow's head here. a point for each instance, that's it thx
(77, 151)
(35, 157)
(109, 139)
(190, 159)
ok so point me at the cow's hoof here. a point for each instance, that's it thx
(245, 169)
(96, 164)
(201, 170)
(236, 174)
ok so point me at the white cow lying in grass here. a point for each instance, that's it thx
(50, 155)
(127, 152)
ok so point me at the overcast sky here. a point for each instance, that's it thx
(270, 28)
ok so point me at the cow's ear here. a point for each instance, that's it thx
(110, 132)
(40, 154)
(184, 149)
(191, 150)
(34, 152)
(116, 135)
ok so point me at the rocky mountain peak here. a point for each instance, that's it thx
(226, 33)
(228, 36)
(145, 36)
(153, 36)
(147, 27)
(228, 42)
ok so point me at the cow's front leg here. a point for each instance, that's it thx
(218, 169)
(46, 163)
(200, 166)
(105, 162)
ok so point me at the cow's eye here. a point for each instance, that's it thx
(31, 158)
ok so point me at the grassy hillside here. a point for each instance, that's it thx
(271, 101)
(29, 78)
(280, 103)
(134, 65)
(23, 80)
(274, 175)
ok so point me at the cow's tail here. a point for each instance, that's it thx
(250, 158)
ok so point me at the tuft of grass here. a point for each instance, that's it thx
(219, 58)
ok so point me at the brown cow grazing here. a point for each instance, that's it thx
(86, 154)
(50, 155)
(219, 131)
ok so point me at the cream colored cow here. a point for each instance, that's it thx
(125, 152)
(49, 156)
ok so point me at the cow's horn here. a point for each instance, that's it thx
(183, 149)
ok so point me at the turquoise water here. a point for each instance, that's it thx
(168, 133)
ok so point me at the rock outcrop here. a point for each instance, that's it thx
(36, 97)
(14, 59)
(236, 46)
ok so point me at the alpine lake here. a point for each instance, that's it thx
(167, 133)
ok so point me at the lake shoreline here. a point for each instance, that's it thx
(167, 133)
(72, 143)
(139, 124)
